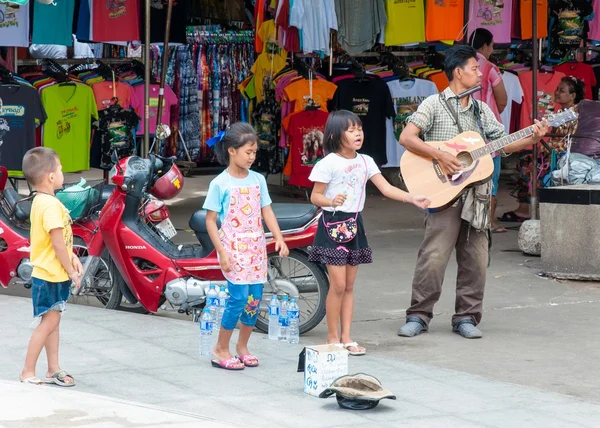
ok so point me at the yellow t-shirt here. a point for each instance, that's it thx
(48, 213)
(265, 68)
(406, 22)
(268, 32)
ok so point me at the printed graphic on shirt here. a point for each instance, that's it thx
(63, 125)
(361, 106)
(312, 145)
(4, 128)
(545, 105)
(8, 18)
(570, 27)
(354, 179)
(490, 11)
(405, 107)
(116, 7)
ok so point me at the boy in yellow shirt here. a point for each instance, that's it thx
(54, 264)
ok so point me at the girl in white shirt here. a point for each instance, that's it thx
(340, 243)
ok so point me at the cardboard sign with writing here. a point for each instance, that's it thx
(322, 365)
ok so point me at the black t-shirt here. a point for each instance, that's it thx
(568, 26)
(21, 113)
(372, 102)
(116, 128)
(158, 19)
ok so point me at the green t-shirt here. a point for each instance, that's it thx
(70, 108)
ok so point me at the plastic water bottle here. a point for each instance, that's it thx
(294, 316)
(223, 296)
(206, 331)
(283, 320)
(212, 301)
(274, 318)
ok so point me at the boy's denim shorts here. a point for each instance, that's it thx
(49, 296)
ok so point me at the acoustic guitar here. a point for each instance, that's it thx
(426, 176)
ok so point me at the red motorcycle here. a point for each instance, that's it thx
(161, 274)
(16, 269)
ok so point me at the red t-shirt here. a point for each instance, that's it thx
(582, 71)
(546, 85)
(116, 20)
(305, 130)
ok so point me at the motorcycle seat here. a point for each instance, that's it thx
(21, 208)
(292, 216)
(289, 216)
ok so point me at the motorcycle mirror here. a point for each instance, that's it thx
(163, 131)
(115, 159)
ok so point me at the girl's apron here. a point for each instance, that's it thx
(243, 237)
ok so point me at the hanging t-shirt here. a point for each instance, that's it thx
(547, 84)
(405, 22)
(21, 113)
(300, 90)
(345, 177)
(583, 72)
(444, 20)
(169, 100)
(84, 20)
(53, 23)
(305, 130)
(115, 133)
(594, 24)
(267, 32)
(514, 94)
(70, 108)
(525, 9)
(490, 78)
(116, 20)
(14, 25)
(567, 27)
(104, 93)
(494, 15)
(158, 19)
(371, 101)
(360, 22)
(406, 96)
(315, 19)
(265, 67)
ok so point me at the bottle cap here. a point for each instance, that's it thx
(212, 286)
(206, 309)
(285, 297)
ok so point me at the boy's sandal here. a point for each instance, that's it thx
(359, 350)
(33, 380)
(59, 378)
(231, 364)
(249, 360)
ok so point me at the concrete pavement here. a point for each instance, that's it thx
(155, 361)
(535, 366)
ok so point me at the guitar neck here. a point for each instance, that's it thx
(502, 142)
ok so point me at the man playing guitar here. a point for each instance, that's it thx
(441, 118)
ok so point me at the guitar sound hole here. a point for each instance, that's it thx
(465, 159)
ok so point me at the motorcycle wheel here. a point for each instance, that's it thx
(306, 275)
(105, 282)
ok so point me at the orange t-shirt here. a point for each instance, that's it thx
(440, 80)
(299, 91)
(542, 19)
(103, 92)
(444, 20)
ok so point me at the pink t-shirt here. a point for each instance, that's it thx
(490, 78)
(495, 18)
(594, 33)
(169, 100)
